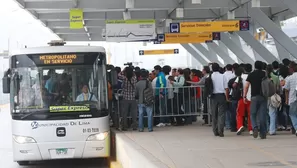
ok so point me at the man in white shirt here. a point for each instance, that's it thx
(219, 100)
(229, 75)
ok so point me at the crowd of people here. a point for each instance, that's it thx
(260, 99)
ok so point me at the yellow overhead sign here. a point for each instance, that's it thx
(171, 38)
(76, 19)
(215, 26)
(158, 52)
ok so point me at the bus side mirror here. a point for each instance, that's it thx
(6, 84)
(114, 77)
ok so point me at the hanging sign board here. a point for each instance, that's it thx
(76, 19)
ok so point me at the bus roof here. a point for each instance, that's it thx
(59, 49)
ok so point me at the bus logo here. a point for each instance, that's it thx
(61, 131)
(34, 125)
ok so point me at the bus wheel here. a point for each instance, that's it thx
(23, 163)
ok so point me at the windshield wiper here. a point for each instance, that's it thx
(31, 113)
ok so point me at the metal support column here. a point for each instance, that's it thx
(257, 46)
(282, 52)
(237, 50)
(210, 54)
(196, 55)
(225, 56)
(274, 31)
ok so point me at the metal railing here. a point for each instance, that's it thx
(176, 102)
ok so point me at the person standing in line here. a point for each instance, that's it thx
(258, 101)
(141, 85)
(161, 93)
(291, 99)
(129, 102)
(244, 106)
(218, 100)
(230, 118)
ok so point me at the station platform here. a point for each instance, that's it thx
(195, 146)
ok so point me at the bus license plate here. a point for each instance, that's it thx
(63, 151)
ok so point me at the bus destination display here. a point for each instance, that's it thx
(60, 59)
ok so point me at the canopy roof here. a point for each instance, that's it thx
(55, 13)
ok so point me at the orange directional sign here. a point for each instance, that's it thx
(184, 38)
(215, 26)
(158, 52)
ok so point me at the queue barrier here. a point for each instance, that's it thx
(186, 101)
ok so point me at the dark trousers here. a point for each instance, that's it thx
(233, 111)
(218, 106)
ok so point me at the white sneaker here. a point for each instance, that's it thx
(251, 132)
(161, 125)
(240, 130)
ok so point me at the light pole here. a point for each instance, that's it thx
(12, 33)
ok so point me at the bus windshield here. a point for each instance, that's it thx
(58, 85)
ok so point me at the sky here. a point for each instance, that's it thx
(22, 29)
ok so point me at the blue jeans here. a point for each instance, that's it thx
(293, 114)
(149, 112)
(272, 119)
(259, 109)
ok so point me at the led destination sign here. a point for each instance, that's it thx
(60, 59)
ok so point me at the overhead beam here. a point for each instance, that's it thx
(225, 56)
(65, 24)
(139, 4)
(274, 31)
(208, 53)
(78, 31)
(195, 54)
(236, 49)
(82, 37)
(257, 46)
(292, 4)
(105, 15)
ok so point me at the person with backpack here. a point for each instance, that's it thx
(244, 107)
(129, 103)
(236, 85)
(274, 102)
(145, 96)
(258, 101)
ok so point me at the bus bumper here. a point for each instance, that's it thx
(61, 150)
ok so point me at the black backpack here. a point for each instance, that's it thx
(237, 91)
(148, 95)
(208, 87)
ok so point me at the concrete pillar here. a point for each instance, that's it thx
(198, 57)
(278, 35)
(236, 49)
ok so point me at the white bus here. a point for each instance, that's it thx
(59, 103)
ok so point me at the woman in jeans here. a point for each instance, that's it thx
(129, 103)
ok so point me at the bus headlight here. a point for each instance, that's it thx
(23, 139)
(98, 137)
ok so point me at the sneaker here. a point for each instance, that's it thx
(168, 124)
(161, 125)
(255, 133)
(240, 130)
(296, 133)
(251, 132)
